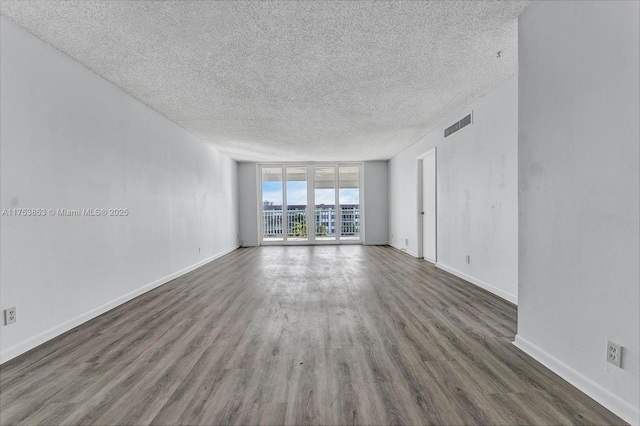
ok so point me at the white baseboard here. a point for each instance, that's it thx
(41, 338)
(404, 250)
(250, 244)
(615, 404)
(376, 243)
(411, 253)
(495, 290)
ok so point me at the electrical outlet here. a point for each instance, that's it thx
(614, 353)
(468, 258)
(10, 316)
(406, 241)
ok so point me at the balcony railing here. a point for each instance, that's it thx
(297, 226)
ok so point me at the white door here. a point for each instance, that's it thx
(429, 206)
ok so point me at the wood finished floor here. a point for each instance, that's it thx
(296, 335)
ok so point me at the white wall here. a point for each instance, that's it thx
(376, 202)
(579, 194)
(70, 140)
(477, 199)
(248, 196)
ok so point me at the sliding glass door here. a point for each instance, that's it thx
(324, 201)
(272, 204)
(296, 203)
(310, 204)
(349, 201)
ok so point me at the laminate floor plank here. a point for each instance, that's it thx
(327, 335)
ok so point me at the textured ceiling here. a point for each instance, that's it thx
(285, 81)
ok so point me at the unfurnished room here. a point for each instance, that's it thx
(319, 212)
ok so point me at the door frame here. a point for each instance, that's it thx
(420, 203)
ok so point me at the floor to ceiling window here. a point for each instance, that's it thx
(296, 203)
(310, 204)
(349, 201)
(272, 204)
(324, 183)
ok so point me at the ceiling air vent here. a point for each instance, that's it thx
(457, 126)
